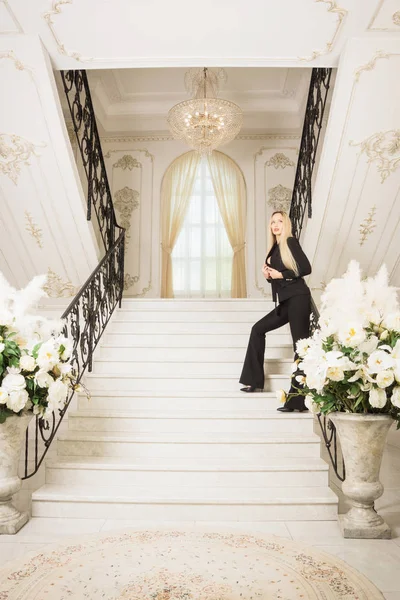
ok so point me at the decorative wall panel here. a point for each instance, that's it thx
(357, 213)
(274, 173)
(130, 173)
(43, 226)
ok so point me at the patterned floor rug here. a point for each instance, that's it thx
(182, 565)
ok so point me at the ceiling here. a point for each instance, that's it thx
(138, 100)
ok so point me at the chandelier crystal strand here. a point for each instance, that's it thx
(205, 122)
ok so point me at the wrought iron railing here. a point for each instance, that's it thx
(90, 311)
(99, 197)
(328, 429)
(302, 190)
(302, 202)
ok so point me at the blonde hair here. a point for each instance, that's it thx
(286, 255)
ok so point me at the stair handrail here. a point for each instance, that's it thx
(88, 314)
(300, 202)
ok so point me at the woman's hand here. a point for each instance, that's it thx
(274, 274)
(265, 271)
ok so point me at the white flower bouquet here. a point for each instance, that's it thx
(352, 362)
(35, 370)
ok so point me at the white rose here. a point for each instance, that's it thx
(396, 350)
(2, 346)
(379, 361)
(302, 346)
(352, 335)
(47, 356)
(43, 379)
(392, 321)
(369, 345)
(384, 335)
(27, 363)
(315, 381)
(57, 392)
(377, 398)
(17, 400)
(68, 345)
(14, 381)
(310, 404)
(384, 379)
(335, 374)
(3, 396)
(395, 398)
(281, 396)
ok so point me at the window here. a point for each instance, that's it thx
(202, 256)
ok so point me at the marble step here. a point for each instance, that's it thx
(188, 354)
(184, 400)
(189, 316)
(202, 339)
(277, 472)
(214, 446)
(176, 383)
(171, 368)
(178, 327)
(185, 504)
(197, 304)
(257, 422)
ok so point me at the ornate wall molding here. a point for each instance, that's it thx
(33, 229)
(55, 287)
(370, 65)
(280, 197)
(12, 17)
(395, 19)
(126, 201)
(341, 15)
(144, 150)
(280, 161)
(169, 138)
(384, 149)
(48, 16)
(367, 226)
(9, 54)
(127, 162)
(15, 152)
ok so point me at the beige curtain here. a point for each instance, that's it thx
(230, 191)
(176, 190)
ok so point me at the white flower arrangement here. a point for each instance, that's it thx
(35, 370)
(352, 362)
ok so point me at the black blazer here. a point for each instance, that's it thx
(291, 284)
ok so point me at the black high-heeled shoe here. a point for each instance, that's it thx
(286, 409)
(249, 389)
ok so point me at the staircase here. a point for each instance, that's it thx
(168, 436)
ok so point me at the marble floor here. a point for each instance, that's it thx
(379, 560)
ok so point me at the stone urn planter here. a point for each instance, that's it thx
(362, 439)
(12, 435)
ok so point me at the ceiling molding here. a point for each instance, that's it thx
(168, 138)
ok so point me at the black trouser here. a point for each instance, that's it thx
(295, 311)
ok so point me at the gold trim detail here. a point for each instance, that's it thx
(384, 148)
(33, 229)
(55, 287)
(126, 201)
(127, 162)
(17, 63)
(370, 65)
(280, 197)
(15, 151)
(48, 17)
(341, 15)
(280, 161)
(168, 138)
(367, 226)
(396, 18)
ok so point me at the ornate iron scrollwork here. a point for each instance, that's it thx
(90, 311)
(302, 190)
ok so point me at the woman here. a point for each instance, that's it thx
(285, 266)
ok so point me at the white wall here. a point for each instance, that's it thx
(43, 228)
(356, 195)
(139, 176)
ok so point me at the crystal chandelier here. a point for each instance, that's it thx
(205, 122)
